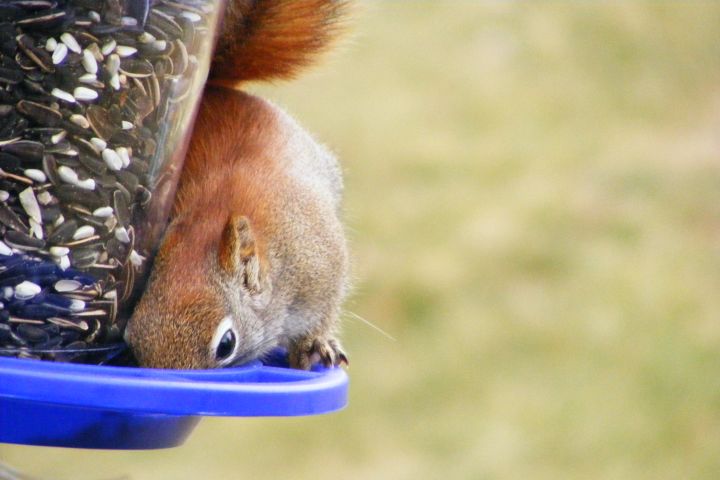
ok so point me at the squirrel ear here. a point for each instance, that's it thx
(237, 254)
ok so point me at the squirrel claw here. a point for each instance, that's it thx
(309, 350)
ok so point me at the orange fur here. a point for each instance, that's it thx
(254, 236)
(273, 39)
(237, 127)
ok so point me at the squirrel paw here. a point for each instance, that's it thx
(309, 350)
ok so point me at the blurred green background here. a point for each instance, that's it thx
(533, 200)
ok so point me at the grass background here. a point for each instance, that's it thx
(533, 200)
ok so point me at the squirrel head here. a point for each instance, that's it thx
(204, 304)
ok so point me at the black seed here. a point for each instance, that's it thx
(45, 20)
(143, 196)
(22, 241)
(52, 342)
(39, 56)
(4, 332)
(10, 163)
(100, 122)
(139, 167)
(121, 188)
(138, 68)
(26, 149)
(34, 4)
(10, 76)
(50, 168)
(121, 208)
(164, 23)
(70, 323)
(12, 126)
(84, 257)
(31, 333)
(50, 214)
(40, 114)
(76, 346)
(63, 233)
(11, 219)
(63, 147)
(128, 180)
(72, 194)
(93, 165)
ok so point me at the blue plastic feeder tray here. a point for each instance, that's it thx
(87, 406)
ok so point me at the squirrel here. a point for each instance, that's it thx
(255, 254)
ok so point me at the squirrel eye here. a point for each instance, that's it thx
(226, 346)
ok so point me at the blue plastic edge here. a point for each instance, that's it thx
(105, 407)
(251, 390)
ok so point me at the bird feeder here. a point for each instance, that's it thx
(97, 101)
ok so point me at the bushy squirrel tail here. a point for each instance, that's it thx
(274, 39)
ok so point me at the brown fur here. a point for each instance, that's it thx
(274, 39)
(255, 237)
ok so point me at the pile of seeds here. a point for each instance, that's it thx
(91, 100)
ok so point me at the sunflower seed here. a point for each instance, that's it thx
(79, 120)
(124, 155)
(62, 95)
(99, 144)
(45, 198)
(58, 137)
(67, 174)
(84, 93)
(30, 204)
(136, 259)
(112, 159)
(36, 229)
(89, 62)
(108, 47)
(87, 184)
(89, 78)
(26, 290)
(159, 45)
(34, 174)
(77, 306)
(192, 16)
(70, 41)
(51, 44)
(64, 262)
(103, 212)
(94, 16)
(112, 64)
(59, 53)
(121, 234)
(59, 251)
(115, 82)
(86, 231)
(125, 51)
(146, 37)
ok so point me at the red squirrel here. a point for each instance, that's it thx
(255, 254)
